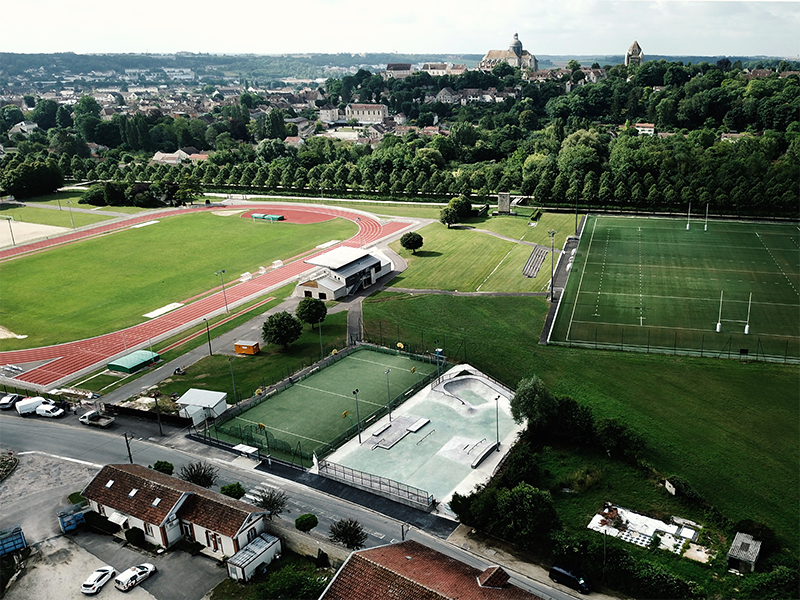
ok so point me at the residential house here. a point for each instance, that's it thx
(330, 114)
(23, 127)
(412, 570)
(366, 113)
(168, 509)
(645, 128)
(435, 69)
(294, 140)
(448, 95)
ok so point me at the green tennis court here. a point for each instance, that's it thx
(649, 284)
(319, 412)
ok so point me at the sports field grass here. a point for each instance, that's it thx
(105, 284)
(729, 427)
(46, 216)
(649, 283)
(312, 411)
(472, 261)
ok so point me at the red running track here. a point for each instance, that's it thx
(62, 361)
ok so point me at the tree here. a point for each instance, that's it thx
(273, 501)
(448, 216)
(349, 533)
(189, 189)
(199, 473)
(533, 402)
(281, 329)
(290, 582)
(311, 310)
(234, 490)
(162, 466)
(411, 241)
(306, 523)
(528, 514)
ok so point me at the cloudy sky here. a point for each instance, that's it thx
(564, 27)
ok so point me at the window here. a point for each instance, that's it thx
(148, 529)
(101, 509)
(132, 493)
(110, 483)
(251, 533)
(155, 502)
(307, 294)
(323, 296)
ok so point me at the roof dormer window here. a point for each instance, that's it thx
(133, 492)
(110, 483)
(155, 502)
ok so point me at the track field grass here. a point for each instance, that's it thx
(46, 216)
(730, 428)
(105, 284)
(650, 283)
(312, 411)
(471, 261)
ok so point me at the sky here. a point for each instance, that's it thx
(545, 27)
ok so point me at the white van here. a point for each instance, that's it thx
(28, 406)
(49, 410)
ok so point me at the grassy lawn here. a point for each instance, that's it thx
(46, 216)
(106, 284)
(395, 209)
(730, 428)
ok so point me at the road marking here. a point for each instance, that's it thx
(75, 460)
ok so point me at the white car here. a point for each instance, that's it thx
(134, 576)
(98, 579)
(49, 410)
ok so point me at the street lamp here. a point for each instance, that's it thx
(235, 398)
(11, 231)
(358, 417)
(69, 202)
(321, 351)
(208, 334)
(552, 233)
(497, 420)
(388, 394)
(221, 272)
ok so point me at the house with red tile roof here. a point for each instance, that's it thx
(412, 571)
(169, 509)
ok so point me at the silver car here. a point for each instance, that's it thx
(98, 579)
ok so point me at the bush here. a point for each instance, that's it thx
(199, 473)
(135, 536)
(162, 466)
(95, 196)
(306, 523)
(234, 490)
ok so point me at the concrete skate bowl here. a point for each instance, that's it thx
(472, 389)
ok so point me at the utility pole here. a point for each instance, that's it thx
(127, 443)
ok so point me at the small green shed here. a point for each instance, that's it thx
(130, 363)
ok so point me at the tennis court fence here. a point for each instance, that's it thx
(261, 438)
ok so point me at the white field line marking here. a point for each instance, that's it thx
(495, 269)
(281, 430)
(580, 283)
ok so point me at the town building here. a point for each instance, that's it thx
(366, 113)
(398, 70)
(412, 570)
(515, 56)
(634, 57)
(343, 271)
(169, 509)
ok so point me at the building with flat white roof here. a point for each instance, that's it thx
(342, 272)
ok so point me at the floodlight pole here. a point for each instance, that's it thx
(358, 220)
(221, 272)
(235, 398)
(689, 215)
(747, 324)
(321, 351)
(552, 233)
(358, 417)
(497, 421)
(208, 334)
(719, 319)
(705, 227)
(69, 202)
(11, 231)
(388, 394)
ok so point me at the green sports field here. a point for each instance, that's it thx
(650, 284)
(312, 411)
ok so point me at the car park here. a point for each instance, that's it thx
(134, 576)
(569, 577)
(7, 402)
(98, 579)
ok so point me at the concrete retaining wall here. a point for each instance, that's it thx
(307, 544)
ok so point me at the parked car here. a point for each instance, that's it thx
(569, 578)
(28, 406)
(134, 576)
(95, 418)
(98, 579)
(8, 402)
(49, 410)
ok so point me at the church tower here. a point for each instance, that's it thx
(634, 56)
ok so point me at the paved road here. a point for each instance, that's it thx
(71, 440)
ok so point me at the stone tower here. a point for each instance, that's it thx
(634, 56)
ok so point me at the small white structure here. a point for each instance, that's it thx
(261, 551)
(744, 553)
(199, 405)
(343, 271)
